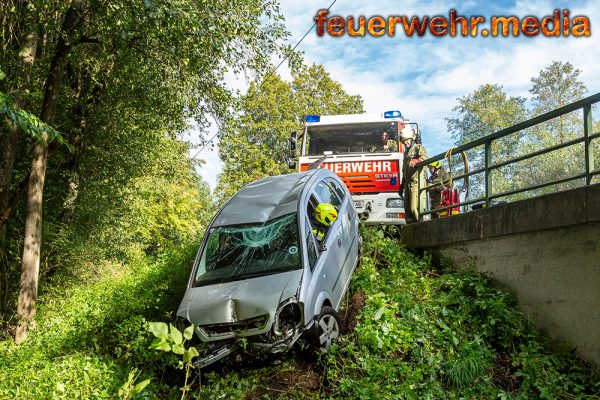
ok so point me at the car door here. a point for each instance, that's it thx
(349, 231)
(335, 254)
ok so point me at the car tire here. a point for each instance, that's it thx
(328, 328)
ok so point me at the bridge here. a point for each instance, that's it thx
(540, 240)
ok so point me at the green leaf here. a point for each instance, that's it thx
(178, 348)
(378, 314)
(158, 329)
(142, 385)
(176, 334)
(189, 354)
(2, 75)
(188, 332)
(160, 344)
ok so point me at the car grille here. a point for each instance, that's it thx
(246, 325)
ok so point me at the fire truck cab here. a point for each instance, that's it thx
(365, 151)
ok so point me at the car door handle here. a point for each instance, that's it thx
(339, 242)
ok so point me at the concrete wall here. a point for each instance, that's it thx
(546, 250)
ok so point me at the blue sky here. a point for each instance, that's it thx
(423, 76)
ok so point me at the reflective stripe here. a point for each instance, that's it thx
(318, 233)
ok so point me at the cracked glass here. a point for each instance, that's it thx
(247, 251)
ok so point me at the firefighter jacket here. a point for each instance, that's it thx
(415, 151)
(435, 194)
(391, 146)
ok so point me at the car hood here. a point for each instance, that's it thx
(238, 300)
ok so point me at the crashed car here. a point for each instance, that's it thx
(264, 277)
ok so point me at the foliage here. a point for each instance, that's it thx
(169, 338)
(27, 122)
(488, 109)
(130, 388)
(556, 86)
(485, 111)
(90, 334)
(424, 332)
(255, 144)
(131, 77)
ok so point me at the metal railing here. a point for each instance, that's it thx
(488, 166)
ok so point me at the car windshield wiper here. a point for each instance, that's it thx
(256, 274)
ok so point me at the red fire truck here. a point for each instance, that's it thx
(364, 150)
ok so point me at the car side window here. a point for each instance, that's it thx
(336, 188)
(318, 230)
(311, 247)
(327, 194)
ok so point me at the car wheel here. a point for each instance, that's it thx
(328, 328)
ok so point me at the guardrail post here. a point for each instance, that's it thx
(487, 172)
(589, 152)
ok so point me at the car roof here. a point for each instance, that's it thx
(265, 199)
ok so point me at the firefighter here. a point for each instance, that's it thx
(437, 174)
(413, 153)
(387, 144)
(325, 214)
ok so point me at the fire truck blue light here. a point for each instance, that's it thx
(392, 114)
(313, 118)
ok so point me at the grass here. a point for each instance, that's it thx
(89, 336)
(423, 333)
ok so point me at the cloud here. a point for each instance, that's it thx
(423, 76)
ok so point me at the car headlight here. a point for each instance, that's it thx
(287, 318)
(394, 203)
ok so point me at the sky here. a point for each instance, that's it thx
(423, 76)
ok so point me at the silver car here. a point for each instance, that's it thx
(261, 279)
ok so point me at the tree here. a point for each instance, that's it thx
(556, 86)
(134, 72)
(254, 145)
(489, 109)
(483, 112)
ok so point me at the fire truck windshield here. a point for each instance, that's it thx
(352, 138)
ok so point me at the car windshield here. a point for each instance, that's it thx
(246, 251)
(353, 138)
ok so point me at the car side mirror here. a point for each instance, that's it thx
(293, 141)
(322, 246)
(293, 144)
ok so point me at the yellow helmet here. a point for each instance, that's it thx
(436, 164)
(326, 214)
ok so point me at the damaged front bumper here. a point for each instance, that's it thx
(260, 345)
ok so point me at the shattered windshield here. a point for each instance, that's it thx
(246, 251)
(353, 138)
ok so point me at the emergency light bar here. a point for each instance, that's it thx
(392, 114)
(313, 118)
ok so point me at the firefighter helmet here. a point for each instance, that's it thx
(436, 164)
(326, 214)
(407, 133)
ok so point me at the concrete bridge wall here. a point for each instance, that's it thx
(546, 250)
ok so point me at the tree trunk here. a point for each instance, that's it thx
(30, 264)
(9, 133)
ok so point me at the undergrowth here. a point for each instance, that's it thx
(89, 336)
(431, 333)
(423, 333)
